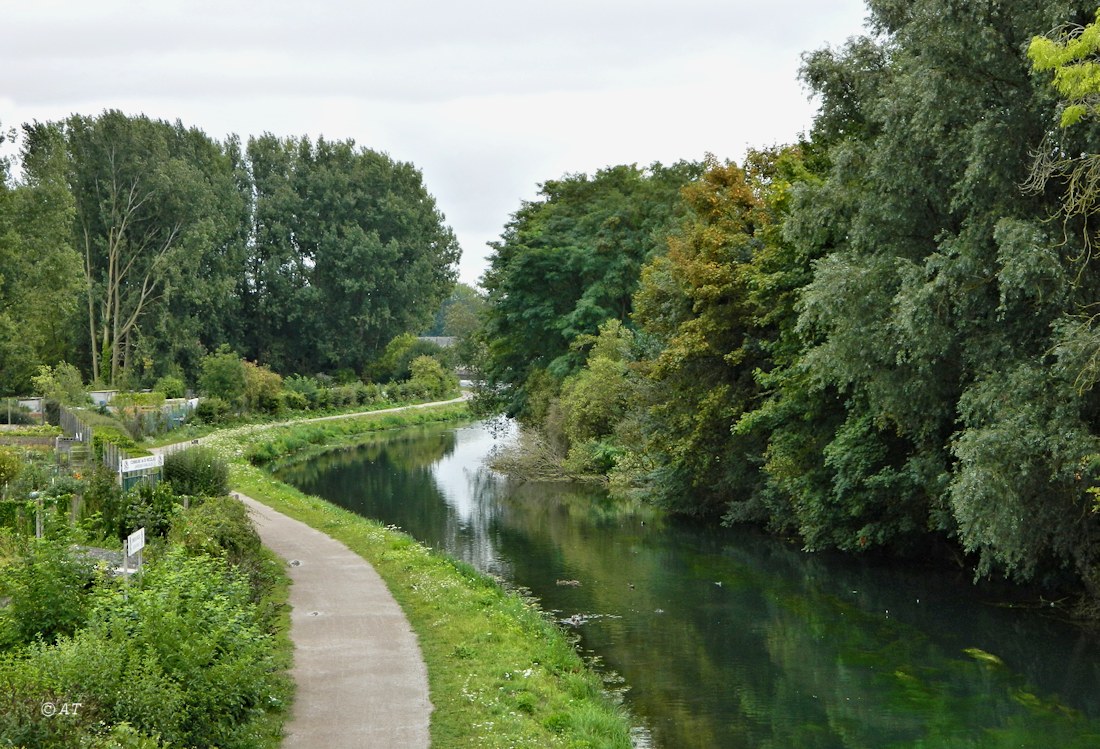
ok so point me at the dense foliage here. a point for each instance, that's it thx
(874, 338)
(181, 654)
(350, 251)
(132, 247)
(566, 263)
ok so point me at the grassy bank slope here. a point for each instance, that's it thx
(501, 673)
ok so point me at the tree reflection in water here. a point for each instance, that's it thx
(726, 638)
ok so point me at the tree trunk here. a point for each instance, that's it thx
(89, 282)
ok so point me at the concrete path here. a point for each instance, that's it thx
(361, 680)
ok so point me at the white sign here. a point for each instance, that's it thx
(140, 464)
(135, 542)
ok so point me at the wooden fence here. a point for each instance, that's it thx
(109, 454)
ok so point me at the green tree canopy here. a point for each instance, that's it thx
(934, 309)
(40, 276)
(153, 203)
(349, 251)
(568, 262)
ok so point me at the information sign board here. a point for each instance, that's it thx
(135, 542)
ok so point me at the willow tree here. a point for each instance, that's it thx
(1072, 54)
(932, 308)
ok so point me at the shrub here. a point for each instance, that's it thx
(213, 410)
(149, 507)
(342, 396)
(114, 436)
(47, 587)
(11, 465)
(197, 471)
(295, 401)
(429, 378)
(263, 389)
(172, 387)
(110, 512)
(223, 375)
(102, 501)
(401, 353)
(304, 386)
(61, 383)
(220, 528)
(134, 401)
(191, 628)
(182, 656)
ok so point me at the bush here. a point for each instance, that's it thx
(263, 389)
(220, 528)
(223, 376)
(213, 410)
(172, 387)
(191, 628)
(47, 587)
(110, 512)
(304, 386)
(182, 656)
(102, 501)
(295, 401)
(429, 378)
(395, 364)
(342, 396)
(137, 401)
(113, 436)
(149, 507)
(197, 471)
(62, 383)
(11, 465)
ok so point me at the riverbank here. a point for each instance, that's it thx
(501, 673)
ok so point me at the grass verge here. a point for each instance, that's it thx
(268, 726)
(198, 430)
(501, 673)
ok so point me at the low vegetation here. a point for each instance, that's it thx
(502, 673)
(192, 651)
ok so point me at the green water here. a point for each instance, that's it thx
(725, 638)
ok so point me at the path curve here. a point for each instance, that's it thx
(361, 680)
(360, 677)
(231, 431)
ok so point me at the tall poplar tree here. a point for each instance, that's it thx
(40, 278)
(144, 206)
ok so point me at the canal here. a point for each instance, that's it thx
(724, 637)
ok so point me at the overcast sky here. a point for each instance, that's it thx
(488, 98)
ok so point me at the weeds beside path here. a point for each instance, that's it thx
(500, 672)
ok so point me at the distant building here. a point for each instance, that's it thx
(103, 397)
(34, 405)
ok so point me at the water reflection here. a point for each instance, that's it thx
(729, 639)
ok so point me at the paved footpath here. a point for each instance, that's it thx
(361, 681)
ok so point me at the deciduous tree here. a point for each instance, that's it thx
(568, 262)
